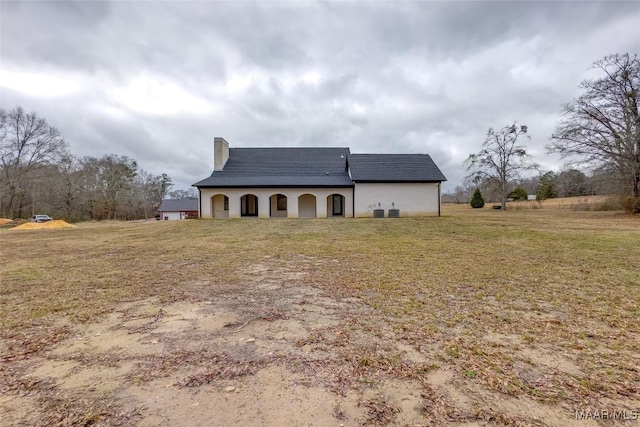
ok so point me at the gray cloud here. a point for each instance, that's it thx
(157, 81)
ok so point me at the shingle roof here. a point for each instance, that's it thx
(394, 168)
(178, 205)
(282, 167)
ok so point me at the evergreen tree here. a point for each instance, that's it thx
(476, 200)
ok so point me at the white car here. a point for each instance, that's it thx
(40, 218)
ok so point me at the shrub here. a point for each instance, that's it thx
(518, 194)
(476, 200)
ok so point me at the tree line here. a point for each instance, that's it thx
(38, 175)
(568, 182)
(599, 130)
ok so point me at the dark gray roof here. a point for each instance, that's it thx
(282, 167)
(178, 205)
(394, 168)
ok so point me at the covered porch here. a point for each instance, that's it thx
(276, 202)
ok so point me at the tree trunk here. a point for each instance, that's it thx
(503, 196)
(636, 194)
(11, 203)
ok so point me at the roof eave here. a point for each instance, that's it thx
(398, 181)
(278, 186)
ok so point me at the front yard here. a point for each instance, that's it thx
(523, 317)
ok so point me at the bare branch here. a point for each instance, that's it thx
(501, 158)
(602, 126)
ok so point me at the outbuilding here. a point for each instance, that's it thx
(176, 209)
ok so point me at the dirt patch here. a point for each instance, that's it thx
(56, 223)
(274, 352)
(272, 396)
(4, 221)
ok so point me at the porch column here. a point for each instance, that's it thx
(321, 205)
(204, 204)
(234, 206)
(292, 204)
(349, 201)
(264, 203)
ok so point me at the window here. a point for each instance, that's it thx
(226, 203)
(282, 202)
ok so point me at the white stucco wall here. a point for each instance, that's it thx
(264, 201)
(412, 199)
(170, 215)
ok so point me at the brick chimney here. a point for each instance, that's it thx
(220, 153)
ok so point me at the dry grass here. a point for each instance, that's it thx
(579, 203)
(542, 304)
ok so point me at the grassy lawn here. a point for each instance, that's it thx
(539, 304)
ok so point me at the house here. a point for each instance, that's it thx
(178, 208)
(317, 183)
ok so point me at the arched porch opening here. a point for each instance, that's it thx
(335, 205)
(278, 207)
(307, 206)
(219, 206)
(249, 205)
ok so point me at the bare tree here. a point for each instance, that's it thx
(38, 175)
(27, 142)
(501, 159)
(65, 189)
(571, 182)
(152, 190)
(602, 126)
(461, 194)
(108, 181)
(190, 193)
(530, 184)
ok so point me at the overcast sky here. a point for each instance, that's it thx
(158, 81)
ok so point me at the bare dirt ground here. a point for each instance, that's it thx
(269, 351)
